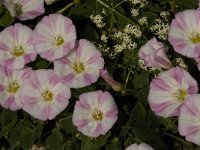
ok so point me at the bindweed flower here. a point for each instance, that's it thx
(54, 36)
(116, 86)
(142, 146)
(169, 91)
(16, 48)
(11, 84)
(95, 113)
(25, 9)
(81, 67)
(189, 119)
(154, 54)
(43, 95)
(184, 33)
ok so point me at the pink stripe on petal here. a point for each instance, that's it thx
(160, 84)
(177, 74)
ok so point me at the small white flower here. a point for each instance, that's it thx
(104, 38)
(134, 12)
(98, 20)
(143, 21)
(118, 48)
(180, 62)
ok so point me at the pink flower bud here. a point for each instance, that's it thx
(116, 86)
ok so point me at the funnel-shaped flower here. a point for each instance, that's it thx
(25, 9)
(82, 67)
(16, 48)
(142, 146)
(43, 95)
(109, 79)
(169, 90)
(184, 33)
(154, 54)
(54, 36)
(11, 84)
(189, 119)
(95, 113)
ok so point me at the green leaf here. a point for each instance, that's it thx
(26, 137)
(186, 4)
(141, 80)
(93, 143)
(114, 146)
(91, 33)
(147, 135)
(8, 117)
(54, 141)
(66, 124)
(38, 131)
(5, 18)
(138, 113)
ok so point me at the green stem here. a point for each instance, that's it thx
(119, 3)
(179, 139)
(115, 11)
(65, 8)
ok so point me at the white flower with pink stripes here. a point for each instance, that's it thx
(54, 36)
(169, 91)
(11, 84)
(25, 9)
(184, 33)
(44, 96)
(81, 67)
(95, 113)
(16, 47)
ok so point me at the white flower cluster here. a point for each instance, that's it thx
(134, 12)
(97, 19)
(161, 26)
(180, 62)
(143, 21)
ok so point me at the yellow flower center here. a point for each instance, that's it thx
(195, 38)
(78, 67)
(97, 115)
(58, 40)
(181, 94)
(13, 86)
(18, 51)
(47, 95)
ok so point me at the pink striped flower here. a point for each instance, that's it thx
(169, 91)
(25, 9)
(43, 95)
(11, 84)
(154, 54)
(54, 36)
(189, 119)
(184, 33)
(16, 48)
(109, 79)
(142, 146)
(82, 67)
(95, 113)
